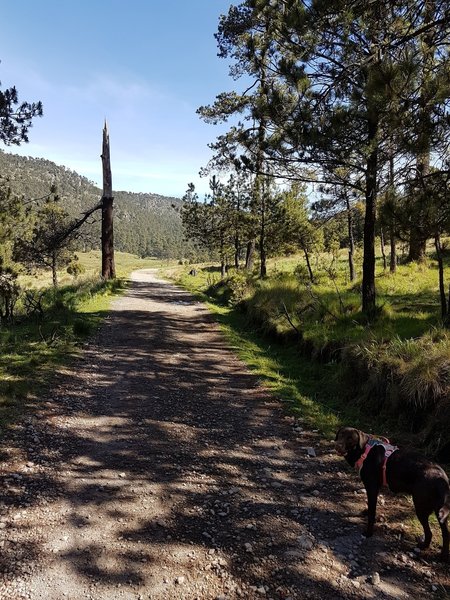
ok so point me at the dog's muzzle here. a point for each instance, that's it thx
(341, 451)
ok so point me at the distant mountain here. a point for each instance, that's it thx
(144, 224)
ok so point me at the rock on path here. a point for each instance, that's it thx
(159, 468)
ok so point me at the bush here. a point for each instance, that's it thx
(240, 285)
(302, 274)
(273, 301)
(232, 291)
(76, 269)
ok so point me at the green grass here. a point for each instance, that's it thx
(302, 385)
(408, 302)
(324, 393)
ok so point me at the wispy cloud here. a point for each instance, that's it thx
(156, 144)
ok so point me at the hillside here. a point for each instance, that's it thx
(145, 224)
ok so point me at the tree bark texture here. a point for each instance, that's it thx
(393, 255)
(383, 251)
(418, 236)
(444, 308)
(368, 281)
(108, 266)
(308, 265)
(392, 239)
(351, 239)
(250, 255)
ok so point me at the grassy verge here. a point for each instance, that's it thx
(305, 387)
(383, 378)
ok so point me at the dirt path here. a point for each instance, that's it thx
(159, 468)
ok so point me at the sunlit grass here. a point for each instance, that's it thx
(409, 310)
(295, 381)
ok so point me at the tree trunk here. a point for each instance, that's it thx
(383, 251)
(54, 271)
(308, 264)
(392, 241)
(261, 191)
(237, 252)
(444, 308)
(262, 245)
(393, 255)
(417, 245)
(418, 236)
(108, 266)
(223, 258)
(351, 239)
(250, 255)
(368, 281)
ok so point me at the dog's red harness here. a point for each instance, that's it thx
(388, 450)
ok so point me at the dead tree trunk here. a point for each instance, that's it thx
(108, 266)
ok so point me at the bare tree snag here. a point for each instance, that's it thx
(108, 267)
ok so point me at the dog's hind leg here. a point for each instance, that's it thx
(445, 538)
(423, 516)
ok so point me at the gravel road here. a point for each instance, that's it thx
(159, 468)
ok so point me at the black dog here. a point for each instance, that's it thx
(402, 471)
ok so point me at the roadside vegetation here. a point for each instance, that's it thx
(335, 160)
(312, 343)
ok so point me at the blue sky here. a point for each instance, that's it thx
(144, 65)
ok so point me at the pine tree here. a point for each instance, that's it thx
(16, 117)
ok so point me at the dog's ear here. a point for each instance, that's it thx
(363, 438)
(337, 434)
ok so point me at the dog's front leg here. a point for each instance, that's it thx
(372, 489)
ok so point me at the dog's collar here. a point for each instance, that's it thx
(388, 450)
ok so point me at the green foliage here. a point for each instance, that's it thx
(50, 238)
(234, 290)
(221, 223)
(145, 224)
(16, 117)
(9, 294)
(406, 382)
(396, 371)
(414, 372)
(75, 268)
(240, 285)
(353, 96)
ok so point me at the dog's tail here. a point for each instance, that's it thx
(444, 509)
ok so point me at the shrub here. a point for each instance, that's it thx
(302, 274)
(240, 285)
(76, 269)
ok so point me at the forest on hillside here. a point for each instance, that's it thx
(145, 224)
